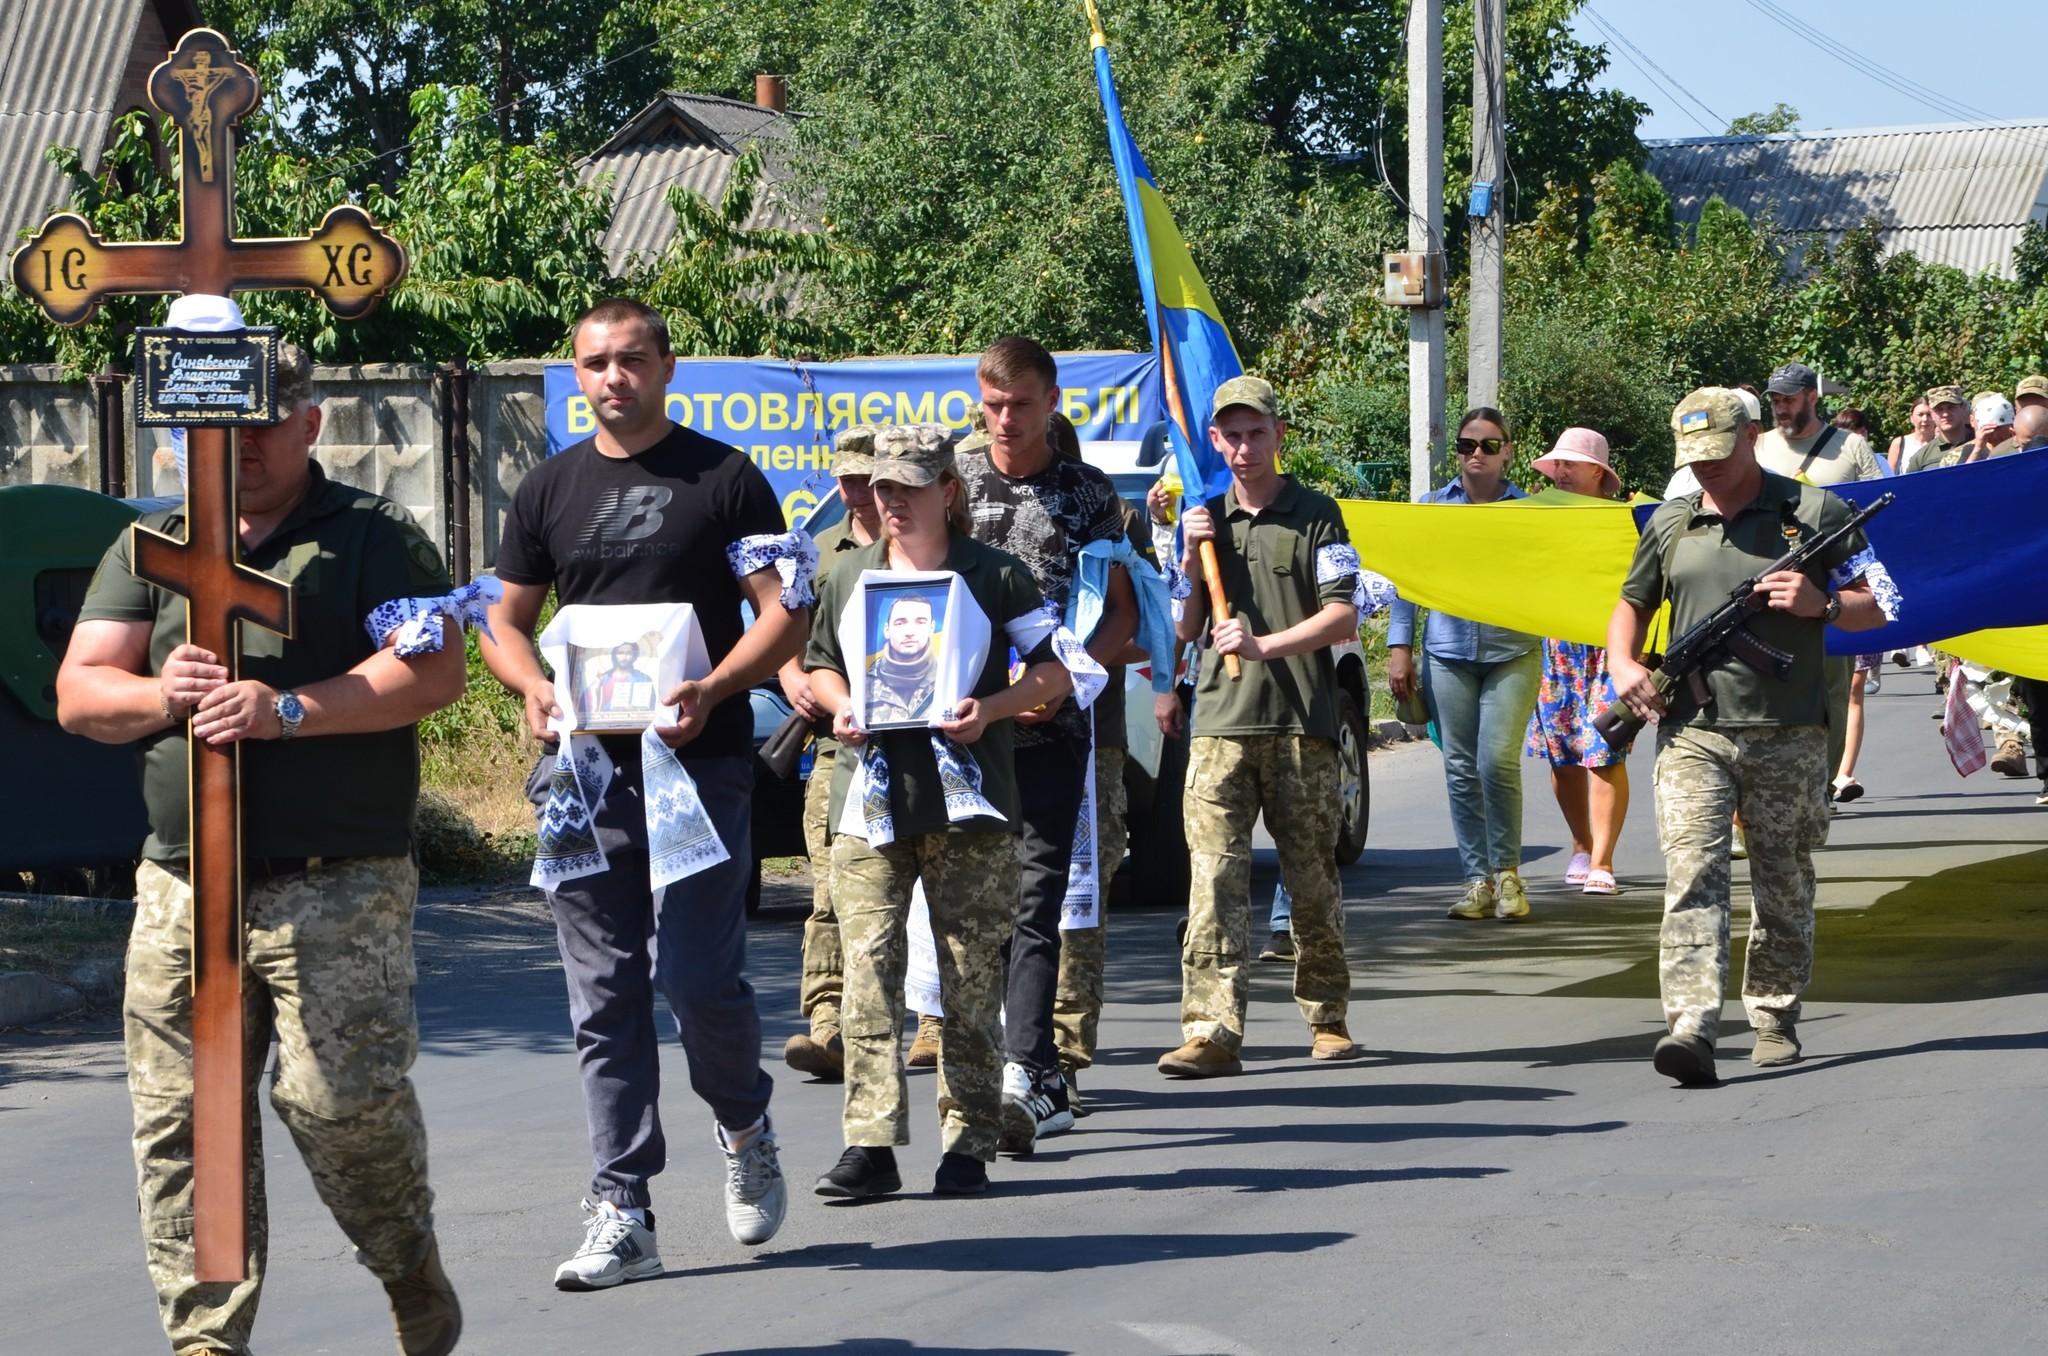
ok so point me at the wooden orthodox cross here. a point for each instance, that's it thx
(206, 89)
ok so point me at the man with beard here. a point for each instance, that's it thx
(902, 675)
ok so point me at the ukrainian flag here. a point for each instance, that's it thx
(1188, 333)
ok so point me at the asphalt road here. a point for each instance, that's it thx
(1506, 1173)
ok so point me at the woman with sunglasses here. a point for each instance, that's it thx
(1479, 683)
(936, 805)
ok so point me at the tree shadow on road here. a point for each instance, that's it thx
(1975, 931)
(1031, 1254)
(887, 1346)
(1244, 1179)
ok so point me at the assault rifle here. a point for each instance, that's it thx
(1723, 632)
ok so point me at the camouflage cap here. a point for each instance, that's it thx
(294, 376)
(1256, 392)
(912, 454)
(1706, 422)
(2035, 385)
(1946, 395)
(853, 451)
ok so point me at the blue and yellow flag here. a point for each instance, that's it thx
(1195, 352)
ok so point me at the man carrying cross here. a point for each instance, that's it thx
(330, 881)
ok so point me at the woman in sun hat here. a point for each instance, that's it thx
(1589, 778)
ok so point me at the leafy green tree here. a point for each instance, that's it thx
(1782, 117)
(574, 70)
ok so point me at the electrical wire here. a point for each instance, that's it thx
(1867, 66)
(1642, 62)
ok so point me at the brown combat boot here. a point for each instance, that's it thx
(423, 1308)
(1332, 1041)
(823, 1059)
(924, 1049)
(1200, 1058)
(2011, 758)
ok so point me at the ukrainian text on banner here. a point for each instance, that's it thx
(784, 414)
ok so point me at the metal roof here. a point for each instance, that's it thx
(66, 66)
(688, 141)
(1956, 194)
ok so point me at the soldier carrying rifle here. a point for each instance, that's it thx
(1743, 717)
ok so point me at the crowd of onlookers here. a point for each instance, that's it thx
(1492, 691)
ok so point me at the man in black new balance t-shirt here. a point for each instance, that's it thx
(645, 511)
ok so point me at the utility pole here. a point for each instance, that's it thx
(1486, 212)
(1425, 234)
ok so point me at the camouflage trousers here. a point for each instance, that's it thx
(1077, 1001)
(970, 887)
(1293, 779)
(1777, 778)
(328, 970)
(823, 966)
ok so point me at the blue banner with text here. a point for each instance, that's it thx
(784, 414)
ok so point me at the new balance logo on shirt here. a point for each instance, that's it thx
(620, 523)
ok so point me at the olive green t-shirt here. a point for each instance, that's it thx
(1709, 558)
(1004, 589)
(345, 552)
(1268, 562)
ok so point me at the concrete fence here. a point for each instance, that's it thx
(388, 427)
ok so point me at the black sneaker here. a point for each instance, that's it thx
(1688, 1059)
(1279, 947)
(959, 1175)
(861, 1174)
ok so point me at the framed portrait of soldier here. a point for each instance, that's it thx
(615, 664)
(914, 645)
(906, 638)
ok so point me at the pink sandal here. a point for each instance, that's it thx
(1600, 882)
(1575, 873)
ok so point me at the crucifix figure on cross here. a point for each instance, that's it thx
(205, 88)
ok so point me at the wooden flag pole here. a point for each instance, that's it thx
(1218, 604)
(206, 88)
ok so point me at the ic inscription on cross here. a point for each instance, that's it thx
(205, 88)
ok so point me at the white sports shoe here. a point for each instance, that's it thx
(616, 1248)
(755, 1197)
(1019, 1133)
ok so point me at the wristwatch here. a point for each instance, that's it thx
(1833, 609)
(290, 711)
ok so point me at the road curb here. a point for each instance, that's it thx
(26, 999)
(1394, 732)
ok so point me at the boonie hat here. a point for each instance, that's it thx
(1581, 444)
(853, 451)
(1705, 423)
(1946, 395)
(912, 454)
(1256, 392)
(1791, 379)
(1991, 408)
(2036, 385)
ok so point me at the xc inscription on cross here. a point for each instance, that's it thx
(205, 88)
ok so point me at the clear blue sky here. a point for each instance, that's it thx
(1736, 60)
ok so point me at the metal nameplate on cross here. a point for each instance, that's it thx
(205, 88)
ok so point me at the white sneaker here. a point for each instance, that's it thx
(1019, 1133)
(755, 1197)
(616, 1248)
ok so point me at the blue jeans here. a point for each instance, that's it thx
(620, 943)
(1482, 714)
(1283, 909)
